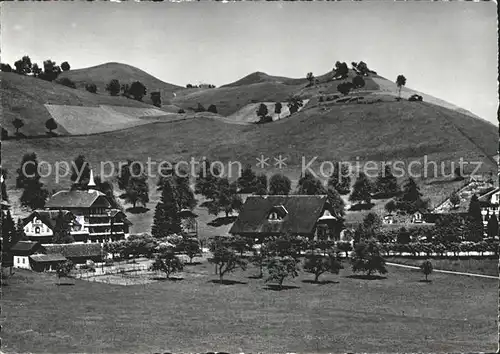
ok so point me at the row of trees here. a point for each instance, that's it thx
(293, 103)
(24, 66)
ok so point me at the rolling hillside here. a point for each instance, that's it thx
(101, 75)
(26, 98)
(260, 77)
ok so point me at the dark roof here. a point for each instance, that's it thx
(48, 258)
(76, 199)
(25, 248)
(75, 249)
(49, 217)
(486, 198)
(302, 213)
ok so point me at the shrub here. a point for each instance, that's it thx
(66, 82)
(212, 109)
(92, 88)
(181, 111)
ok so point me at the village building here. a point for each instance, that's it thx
(310, 216)
(490, 203)
(32, 255)
(89, 212)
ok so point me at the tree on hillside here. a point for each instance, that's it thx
(411, 198)
(207, 179)
(183, 194)
(51, 124)
(366, 258)
(66, 82)
(65, 66)
(50, 70)
(247, 182)
(345, 87)
(137, 191)
(63, 270)
(492, 226)
(400, 82)
(225, 258)
(262, 112)
(92, 88)
(386, 185)
(309, 185)
(225, 198)
(358, 82)
(36, 70)
(166, 219)
(318, 264)
(138, 90)
(363, 68)
(34, 195)
(6, 68)
(18, 124)
(23, 65)
(426, 268)
(167, 262)
(62, 230)
(200, 108)
(279, 184)
(261, 184)
(277, 109)
(340, 178)
(310, 78)
(80, 172)
(212, 109)
(454, 200)
(113, 87)
(341, 70)
(361, 190)
(294, 103)
(156, 98)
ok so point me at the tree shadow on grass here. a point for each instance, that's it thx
(321, 282)
(167, 279)
(425, 281)
(275, 287)
(255, 277)
(195, 263)
(65, 284)
(226, 282)
(137, 210)
(359, 207)
(222, 221)
(366, 277)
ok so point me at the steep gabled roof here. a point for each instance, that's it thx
(24, 248)
(486, 198)
(49, 217)
(302, 213)
(75, 199)
(75, 249)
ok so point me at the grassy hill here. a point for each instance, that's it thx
(260, 77)
(25, 97)
(101, 75)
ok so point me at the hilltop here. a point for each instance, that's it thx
(101, 75)
(259, 77)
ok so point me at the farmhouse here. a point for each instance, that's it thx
(93, 219)
(31, 255)
(309, 216)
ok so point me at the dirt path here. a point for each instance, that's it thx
(444, 271)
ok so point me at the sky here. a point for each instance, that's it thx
(445, 49)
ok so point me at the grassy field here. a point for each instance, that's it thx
(396, 314)
(464, 264)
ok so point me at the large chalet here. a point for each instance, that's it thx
(309, 216)
(89, 213)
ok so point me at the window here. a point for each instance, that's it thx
(18, 260)
(24, 260)
(37, 230)
(273, 216)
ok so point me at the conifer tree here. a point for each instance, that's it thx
(166, 219)
(361, 192)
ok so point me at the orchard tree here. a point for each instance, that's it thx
(137, 90)
(400, 82)
(318, 264)
(310, 185)
(167, 262)
(280, 268)
(207, 179)
(345, 87)
(113, 87)
(34, 195)
(64, 269)
(51, 125)
(191, 247)
(280, 184)
(225, 199)
(226, 260)
(426, 268)
(366, 258)
(262, 112)
(361, 190)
